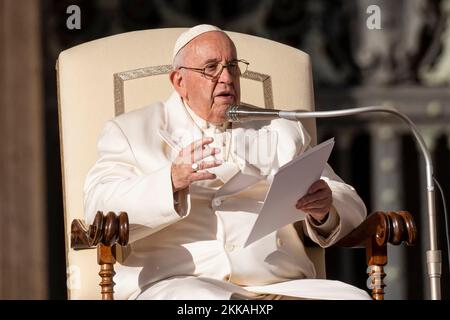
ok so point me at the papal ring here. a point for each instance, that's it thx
(195, 167)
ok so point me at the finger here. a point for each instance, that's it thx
(317, 205)
(197, 176)
(316, 186)
(201, 154)
(321, 195)
(187, 152)
(309, 200)
(209, 164)
(197, 144)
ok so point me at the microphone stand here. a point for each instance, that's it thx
(434, 259)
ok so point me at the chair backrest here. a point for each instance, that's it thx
(106, 77)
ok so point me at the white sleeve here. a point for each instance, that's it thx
(116, 183)
(349, 207)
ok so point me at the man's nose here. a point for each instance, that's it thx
(226, 76)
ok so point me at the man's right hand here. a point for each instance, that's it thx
(181, 171)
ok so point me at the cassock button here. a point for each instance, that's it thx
(216, 202)
(229, 247)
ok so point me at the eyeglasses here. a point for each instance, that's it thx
(212, 71)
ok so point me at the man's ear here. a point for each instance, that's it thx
(178, 83)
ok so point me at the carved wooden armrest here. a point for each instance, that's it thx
(105, 232)
(379, 229)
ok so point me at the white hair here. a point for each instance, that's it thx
(178, 61)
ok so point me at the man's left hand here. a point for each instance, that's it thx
(317, 201)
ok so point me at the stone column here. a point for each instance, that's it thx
(23, 270)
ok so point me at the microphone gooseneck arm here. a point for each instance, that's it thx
(434, 259)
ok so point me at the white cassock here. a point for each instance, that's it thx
(195, 251)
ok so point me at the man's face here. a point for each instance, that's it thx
(209, 98)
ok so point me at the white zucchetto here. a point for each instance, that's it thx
(192, 33)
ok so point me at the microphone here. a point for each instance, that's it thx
(242, 113)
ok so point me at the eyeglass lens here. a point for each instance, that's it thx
(235, 68)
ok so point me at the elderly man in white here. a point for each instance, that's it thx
(185, 242)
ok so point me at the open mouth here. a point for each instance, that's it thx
(225, 96)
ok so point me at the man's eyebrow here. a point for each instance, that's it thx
(217, 61)
(211, 61)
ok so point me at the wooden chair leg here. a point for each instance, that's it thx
(376, 257)
(375, 281)
(106, 259)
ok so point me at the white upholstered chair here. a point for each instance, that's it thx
(104, 78)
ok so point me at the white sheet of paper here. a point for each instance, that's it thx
(289, 184)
